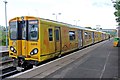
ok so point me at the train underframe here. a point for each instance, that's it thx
(21, 64)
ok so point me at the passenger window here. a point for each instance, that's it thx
(72, 35)
(86, 34)
(50, 34)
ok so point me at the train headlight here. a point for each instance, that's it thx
(34, 51)
(13, 49)
(31, 53)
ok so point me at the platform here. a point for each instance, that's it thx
(97, 61)
(3, 49)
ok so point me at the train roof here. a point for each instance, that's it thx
(73, 26)
(69, 25)
(62, 23)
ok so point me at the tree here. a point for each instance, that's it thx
(117, 12)
(100, 28)
(88, 27)
(94, 29)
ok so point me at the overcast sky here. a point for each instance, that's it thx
(88, 12)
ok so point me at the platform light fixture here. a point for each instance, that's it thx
(56, 14)
(76, 21)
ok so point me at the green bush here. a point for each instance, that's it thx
(2, 36)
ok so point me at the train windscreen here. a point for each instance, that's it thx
(13, 30)
(33, 30)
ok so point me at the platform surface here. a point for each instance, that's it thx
(101, 62)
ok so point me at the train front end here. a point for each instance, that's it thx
(24, 41)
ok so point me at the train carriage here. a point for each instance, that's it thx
(33, 40)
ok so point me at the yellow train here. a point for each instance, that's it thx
(33, 40)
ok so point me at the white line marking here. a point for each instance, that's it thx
(104, 66)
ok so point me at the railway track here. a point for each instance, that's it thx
(8, 72)
(6, 63)
(12, 70)
(5, 60)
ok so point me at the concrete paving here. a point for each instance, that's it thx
(101, 62)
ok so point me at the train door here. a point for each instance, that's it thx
(93, 37)
(80, 39)
(23, 24)
(57, 39)
(20, 37)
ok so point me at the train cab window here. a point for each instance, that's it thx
(33, 30)
(13, 30)
(72, 35)
(50, 34)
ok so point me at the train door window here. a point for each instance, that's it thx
(50, 34)
(23, 25)
(24, 33)
(57, 34)
(33, 30)
(72, 35)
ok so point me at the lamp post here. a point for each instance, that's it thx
(6, 22)
(76, 21)
(56, 15)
